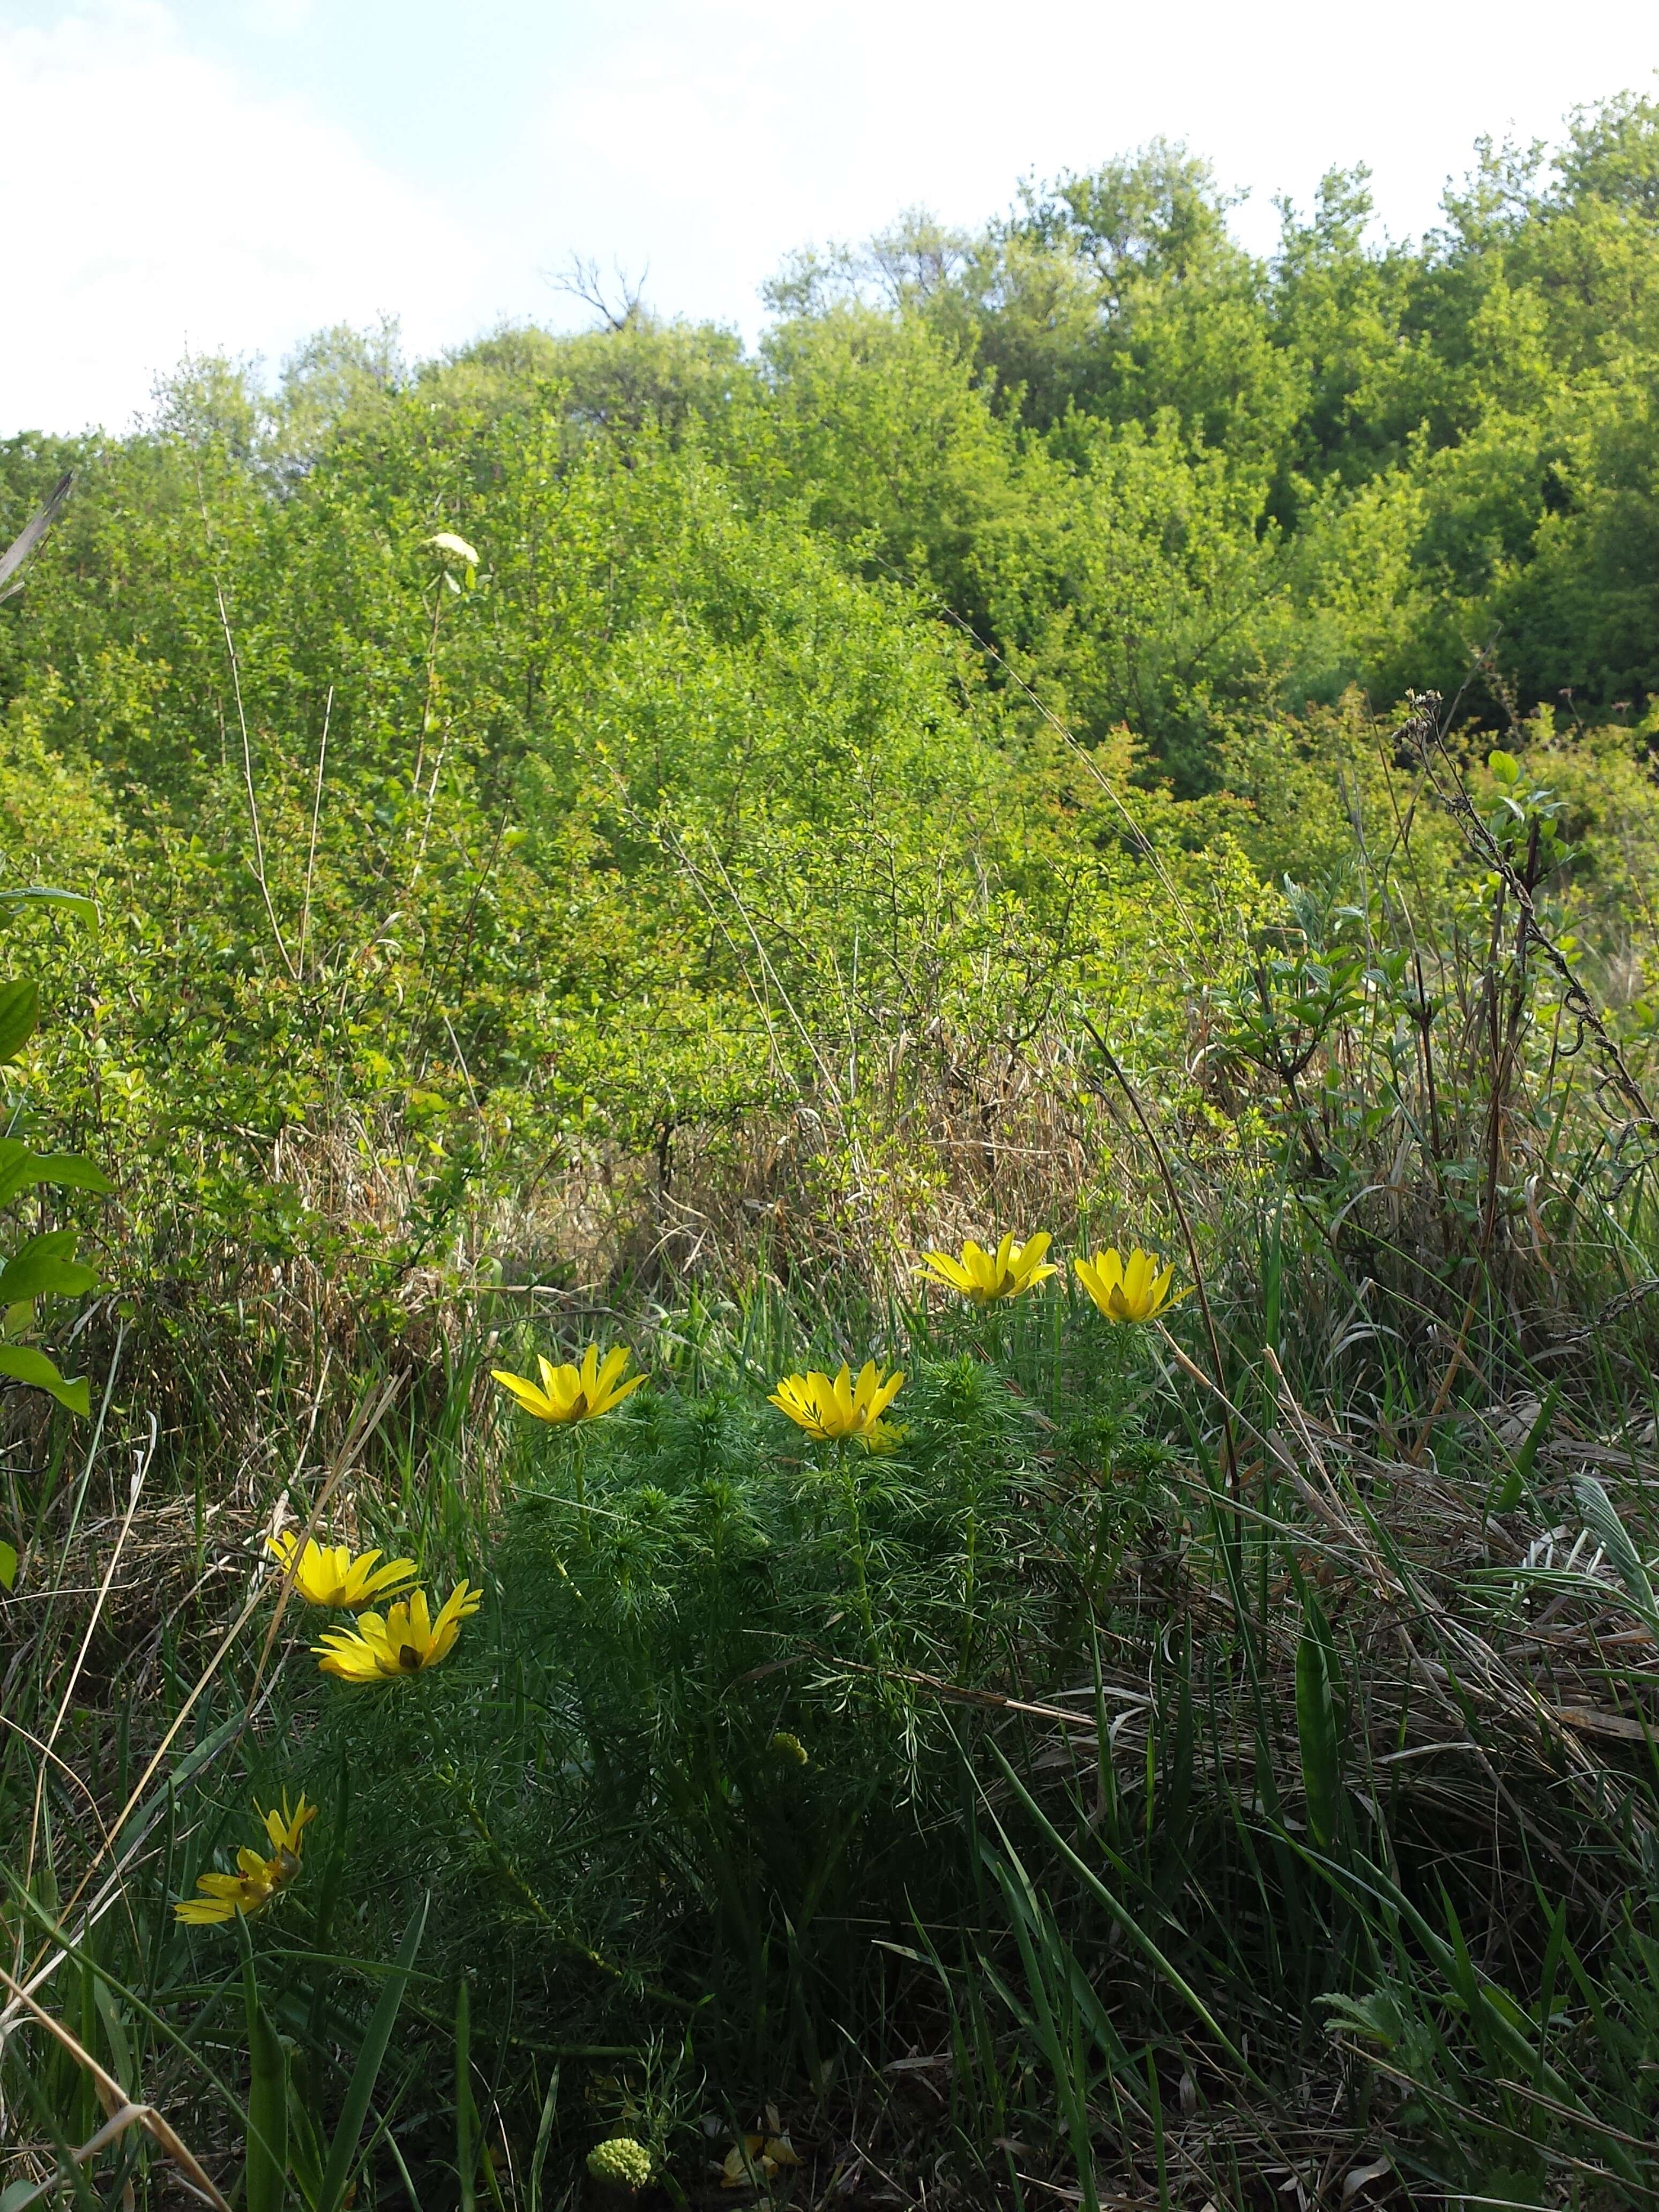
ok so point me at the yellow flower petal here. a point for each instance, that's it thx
(1136, 1289)
(258, 1879)
(831, 1410)
(987, 1277)
(571, 1394)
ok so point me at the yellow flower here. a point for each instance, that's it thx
(882, 1437)
(406, 1641)
(328, 1575)
(572, 1394)
(285, 1829)
(1128, 1290)
(755, 2160)
(830, 1410)
(985, 1277)
(226, 1894)
(258, 1879)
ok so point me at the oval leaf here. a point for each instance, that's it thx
(76, 904)
(20, 1016)
(45, 1268)
(20, 1169)
(21, 1363)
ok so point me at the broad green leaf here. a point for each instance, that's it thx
(20, 1016)
(44, 1268)
(1504, 767)
(115, 2029)
(69, 1171)
(304, 2149)
(76, 904)
(8, 1564)
(21, 1363)
(20, 1170)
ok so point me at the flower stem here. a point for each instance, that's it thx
(579, 1472)
(850, 1483)
(968, 1591)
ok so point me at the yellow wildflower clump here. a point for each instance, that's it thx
(833, 1410)
(406, 1642)
(988, 1277)
(1135, 1289)
(326, 1574)
(258, 1878)
(566, 1394)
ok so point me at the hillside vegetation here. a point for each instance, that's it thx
(628, 840)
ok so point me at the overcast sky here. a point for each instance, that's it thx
(233, 173)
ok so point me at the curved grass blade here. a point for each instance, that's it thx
(1125, 1919)
(342, 2153)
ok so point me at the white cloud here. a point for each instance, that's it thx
(715, 134)
(168, 199)
(169, 206)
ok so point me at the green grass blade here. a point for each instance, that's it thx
(467, 2144)
(342, 2152)
(1515, 1482)
(264, 2178)
(1315, 1729)
(544, 2137)
(1125, 1919)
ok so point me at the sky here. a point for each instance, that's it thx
(229, 175)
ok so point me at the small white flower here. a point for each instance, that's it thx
(447, 541)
